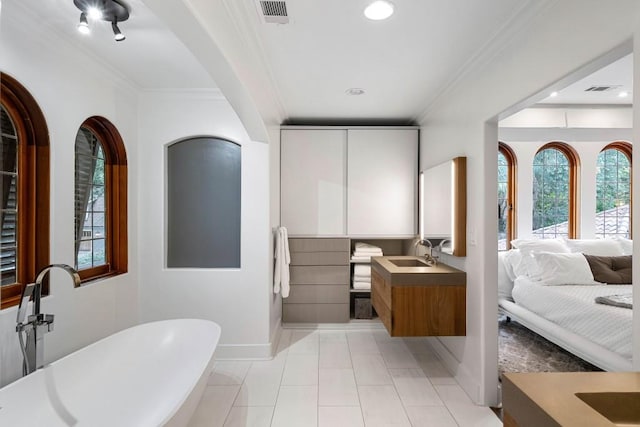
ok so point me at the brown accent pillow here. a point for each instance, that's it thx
(613, 270)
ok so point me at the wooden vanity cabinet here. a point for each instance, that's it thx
(419, 310)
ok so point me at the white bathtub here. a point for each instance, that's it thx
(149, 375)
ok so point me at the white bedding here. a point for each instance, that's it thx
(573, 308)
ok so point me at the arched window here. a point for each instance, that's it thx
(24, 183)
(506, 196)
(613, 191)
(100, 200)
(555, 170)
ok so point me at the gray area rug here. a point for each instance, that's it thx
(520, 350)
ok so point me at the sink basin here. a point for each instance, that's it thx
(622, 409)
(409, 263)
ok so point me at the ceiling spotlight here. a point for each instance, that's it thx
(94, 13)
(553, 94)
(112, 11)
(623, 94)
(117, 34)
(379, 10)
(83, 26)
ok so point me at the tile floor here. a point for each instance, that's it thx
(328, 378)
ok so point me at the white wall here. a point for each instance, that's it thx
(237, 299)
(274, 189)
(69, 87)
(532, 56)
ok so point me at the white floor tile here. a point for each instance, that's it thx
(436, 372)
(300, 369)
(453, 394)
(335, 354)
(214, 406)
(414, 388)
(229, 372)
(261, 384)
(346, 416)
(420, 346)
(332, 336)
(337, 387)
(381, 406)
(249, 416)
(297, 406)
(430, 416)
(362, 342)
(397, 355)
(304, 342)
(285, 341)
(470, 415)
(370, 369)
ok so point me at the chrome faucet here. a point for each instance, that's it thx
(428, 257)
(37, 324)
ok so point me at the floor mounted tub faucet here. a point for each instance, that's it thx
(37, 324)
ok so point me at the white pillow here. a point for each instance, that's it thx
(596, 247)
(505, 283)
(546, 245)
(625, 244)
(513, 263)
(563, 269)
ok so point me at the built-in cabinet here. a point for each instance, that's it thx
(320, 281)
(349, 181)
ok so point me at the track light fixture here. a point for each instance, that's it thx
(83, 26)
(113, 11)
(117, 34)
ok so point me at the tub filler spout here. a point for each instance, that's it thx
(37, 324)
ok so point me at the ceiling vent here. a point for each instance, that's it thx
(273, 12)
(601, 88)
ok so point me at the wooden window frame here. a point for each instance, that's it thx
(33, 187)
(627, 149)
(574, 171)
(512, 168)
(115, 169)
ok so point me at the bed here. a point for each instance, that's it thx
(546, 302)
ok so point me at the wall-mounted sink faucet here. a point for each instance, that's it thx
(429, 259)
(37, 324)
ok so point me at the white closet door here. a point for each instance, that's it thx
(382, 182)
(313, 181)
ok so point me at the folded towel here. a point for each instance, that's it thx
(361, 285)
(369, 254)
(624, 301)
(357, 278)
(365, 248)
(360, 246)
(362, 270)
(361, 258)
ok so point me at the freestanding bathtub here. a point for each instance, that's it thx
(148, 375)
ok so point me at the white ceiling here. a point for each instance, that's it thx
(617, 75)
(151, 57)
(303, 68)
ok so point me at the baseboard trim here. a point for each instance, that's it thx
(457, 369)
(250, 351)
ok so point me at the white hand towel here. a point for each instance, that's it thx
(365, 249)
(360, 258)
(361, 278)
(283, 259)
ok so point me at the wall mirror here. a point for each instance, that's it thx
(443, 205)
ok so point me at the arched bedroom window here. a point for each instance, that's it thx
(506, 196)
(555, 172)
(613, 191)
(100, 200)
(24, 180)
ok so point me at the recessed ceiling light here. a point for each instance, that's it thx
(379, 10)
(354, 91)
(623, 94)
(553, 94)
